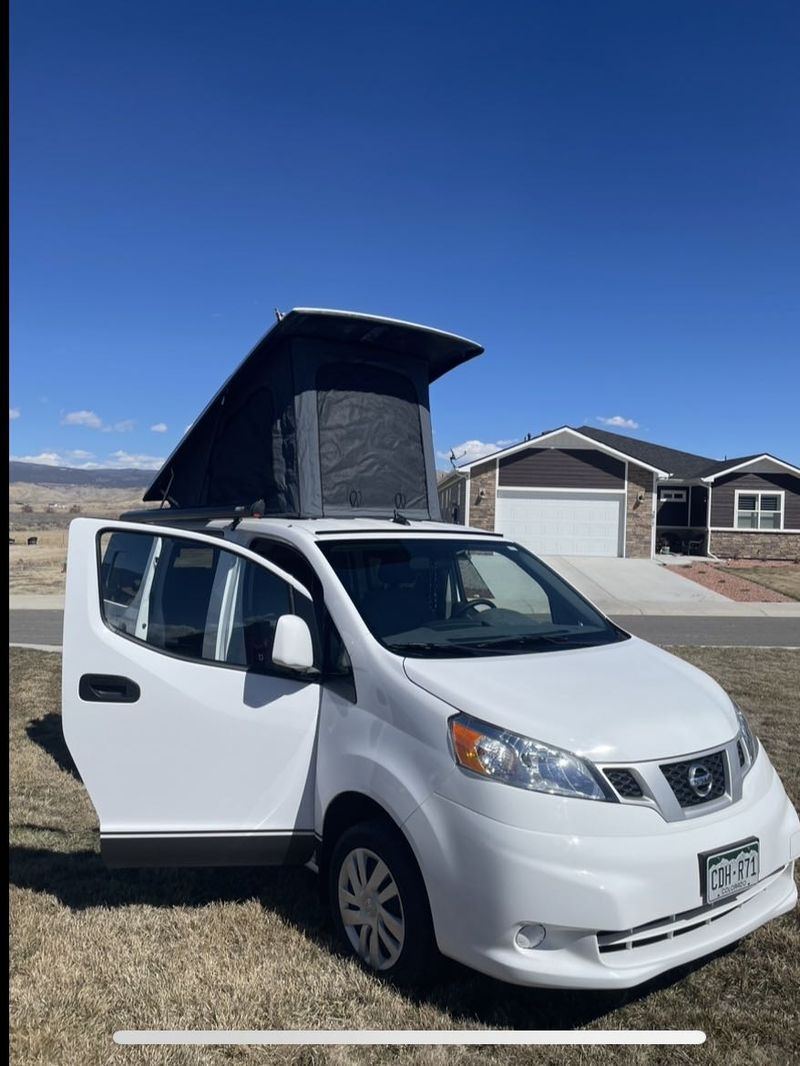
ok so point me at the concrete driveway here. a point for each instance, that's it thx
(642, 586)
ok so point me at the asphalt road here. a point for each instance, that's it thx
(44, 627)
(35, 627)
(697, 630)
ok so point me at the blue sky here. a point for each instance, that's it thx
(604, 195)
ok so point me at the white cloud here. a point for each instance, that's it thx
(77, 459)
(619, 421)
(143, 462)
(91, 420)
(46, 458)
(83, 460)
(13, 412)
(82, 418)
(470, 450)
(159, 427)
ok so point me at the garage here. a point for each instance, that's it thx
(550, 522)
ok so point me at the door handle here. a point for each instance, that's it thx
(108, 688)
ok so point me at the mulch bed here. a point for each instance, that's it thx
(722, 578)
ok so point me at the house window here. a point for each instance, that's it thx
(674, 495)
(759, 510)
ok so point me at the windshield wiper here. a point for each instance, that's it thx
(523, 639)
(433, 646)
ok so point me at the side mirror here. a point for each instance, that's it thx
(292, 648)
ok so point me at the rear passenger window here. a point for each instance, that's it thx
(194, 600)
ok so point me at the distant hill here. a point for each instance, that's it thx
(41, 474)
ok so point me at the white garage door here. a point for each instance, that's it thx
(562, 523)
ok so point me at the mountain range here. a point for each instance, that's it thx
(42, 474)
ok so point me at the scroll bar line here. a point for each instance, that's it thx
(409, 1036)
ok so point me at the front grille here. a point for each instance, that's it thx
(678, 773)
(624, 781)
(740, 749)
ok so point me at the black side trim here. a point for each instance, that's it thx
(198, 849)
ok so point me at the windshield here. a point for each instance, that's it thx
(432, 598)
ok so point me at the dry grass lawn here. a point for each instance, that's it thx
(783, 579)
(95, 950)
(39, 569)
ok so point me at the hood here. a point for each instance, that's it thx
(625, 702)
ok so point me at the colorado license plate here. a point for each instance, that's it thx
(731, 871)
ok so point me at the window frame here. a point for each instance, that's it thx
(211, 540)
(675, 495)
(758, 493)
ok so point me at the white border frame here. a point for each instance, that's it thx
(749, 462)
(759, 493)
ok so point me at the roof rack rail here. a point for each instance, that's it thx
(168, 515)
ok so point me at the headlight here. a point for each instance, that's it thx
(515, 760)
(746, 737)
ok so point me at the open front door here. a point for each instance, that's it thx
(194, 749)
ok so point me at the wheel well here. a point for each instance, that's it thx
(348, 808)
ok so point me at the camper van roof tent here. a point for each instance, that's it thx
(328, 415)
(442, 351)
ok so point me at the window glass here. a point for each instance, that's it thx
(125, 561)
(759, 510)
(501, 583)
(451, 597)
(262, 598)
(194, 600)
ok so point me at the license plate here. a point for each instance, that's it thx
(729, 872)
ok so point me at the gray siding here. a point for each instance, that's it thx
(559, 468)
(724, 490)
(452, 501)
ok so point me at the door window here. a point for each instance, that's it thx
(194, 600)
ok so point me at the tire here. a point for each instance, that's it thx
(395, 939)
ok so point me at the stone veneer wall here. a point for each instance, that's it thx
(482, 511)
(639, 517)
(739, 544)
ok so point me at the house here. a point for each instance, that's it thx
(586, 491)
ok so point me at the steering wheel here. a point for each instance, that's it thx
(464, 607)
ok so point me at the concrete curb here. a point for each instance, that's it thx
(38, 647)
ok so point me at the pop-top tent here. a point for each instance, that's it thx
(328, 415)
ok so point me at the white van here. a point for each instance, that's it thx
(473, 757)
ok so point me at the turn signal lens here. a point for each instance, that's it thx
(520, 761)
(465, 745)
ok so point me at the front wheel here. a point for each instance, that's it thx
(379, 904)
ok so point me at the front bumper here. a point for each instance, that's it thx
(618, 868)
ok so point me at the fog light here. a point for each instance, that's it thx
(530, 936)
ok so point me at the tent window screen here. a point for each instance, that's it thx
(370, 439)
